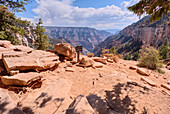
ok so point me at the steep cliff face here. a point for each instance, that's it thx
(29, 39)
(131, 38)
(87, 37)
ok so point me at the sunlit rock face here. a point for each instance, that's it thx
(84, 36)
(140, 33)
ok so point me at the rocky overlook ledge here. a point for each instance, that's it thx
(36, 81)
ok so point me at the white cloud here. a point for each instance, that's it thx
(28, 19)
(126, 4)
(63, 13)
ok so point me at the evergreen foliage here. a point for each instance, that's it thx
(41, 42)
(155, 8)
(15, 5)
(10, 26)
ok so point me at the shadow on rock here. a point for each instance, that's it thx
(97, 104)
(7, 109)
(43, 99)
(27, 110)
(2, 107)
(117, 103)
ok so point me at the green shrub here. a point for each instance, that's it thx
(165, 50)
(149, 58)
(113, 50)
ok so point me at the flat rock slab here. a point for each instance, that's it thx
(150, 82)
(7, 106)
(22, 79)
(36, 60)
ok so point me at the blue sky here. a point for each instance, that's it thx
(100, 14)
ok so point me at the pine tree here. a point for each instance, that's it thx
(10, 25)
(165, 50)
(15, 5)
(41, 42)
(155, 8)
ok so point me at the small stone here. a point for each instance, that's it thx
(142, 72)
(168, 81)
(133, 67)
(68, 69)
(150, 82)
(97, 59)
(14, 72)
(101, 75)
(109, 60)
(164, 77)
(97, 65)
(166, 86)
(156, 76)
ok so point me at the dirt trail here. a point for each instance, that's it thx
(107, 90)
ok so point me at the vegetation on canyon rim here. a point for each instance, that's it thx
(10, 25)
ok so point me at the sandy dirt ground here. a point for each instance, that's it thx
(107, 90)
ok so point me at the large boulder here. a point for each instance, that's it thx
(21, 79)
(80, 106)
(7, 106)
(65, 49)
